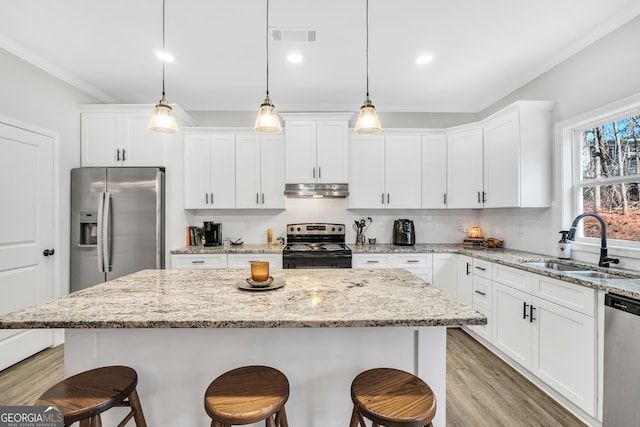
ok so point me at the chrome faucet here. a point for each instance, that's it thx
(604, 258)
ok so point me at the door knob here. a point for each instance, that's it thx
(49, 252)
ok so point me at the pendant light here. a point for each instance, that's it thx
(367, 119)
(267, 121)
(162, 120)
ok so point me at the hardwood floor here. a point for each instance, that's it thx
(482, 390)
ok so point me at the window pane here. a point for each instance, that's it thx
(611, 149)
(619, 207)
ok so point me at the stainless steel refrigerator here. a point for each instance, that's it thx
(117, 223)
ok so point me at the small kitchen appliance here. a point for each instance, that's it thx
(404, 233)
(212, 234)
(316, 245)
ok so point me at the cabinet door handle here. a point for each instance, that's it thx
(388, 199)
(257, 198)
(118, 154)
(468, 269)
(206, 198)
(319, 172)
(382, 200)
(531, 311)
(444, 199)
(372, 261)
(197, 262)
(413, 261)
(481, 268)
(484, 197)
(211, 198)
(524, 310)
(481, 293)
(263, 198)
(314, 172)
(124, 155)
(479, 197)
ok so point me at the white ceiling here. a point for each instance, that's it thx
(482, 50)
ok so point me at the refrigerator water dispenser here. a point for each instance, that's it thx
(88, 228)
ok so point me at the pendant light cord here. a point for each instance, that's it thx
(267, 40)
(164, 56)
(367, 48)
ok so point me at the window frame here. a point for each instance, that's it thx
(571, 169)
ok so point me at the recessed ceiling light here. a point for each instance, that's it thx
(424, 59)
(294, 58)
(164, 56)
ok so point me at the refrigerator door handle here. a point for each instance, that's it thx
(100, 233)
(106, 233)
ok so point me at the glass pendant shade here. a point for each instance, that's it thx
(162, 119)
(367, 119)
(267, 121)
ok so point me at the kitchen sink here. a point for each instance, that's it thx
(556, 266)
(594, 275)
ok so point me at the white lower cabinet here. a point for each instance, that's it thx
(198, 262)
(482, 302)
(555, 343)
(465, 279)
(445, 273)
(245, 260)
(417, 263)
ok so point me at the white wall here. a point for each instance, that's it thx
(33, 96)
(437, 226)
(602, 73)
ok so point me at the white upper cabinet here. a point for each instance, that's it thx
(517, 156)
(464, 167)
(117, 135)
(316, 147)
(434, 171)
(385, 172)
(260, 171)
(209, 166)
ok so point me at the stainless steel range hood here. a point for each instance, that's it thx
(316, 191)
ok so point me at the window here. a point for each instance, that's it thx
(608, 175)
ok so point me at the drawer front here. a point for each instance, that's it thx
(198, 262)
(482, 294)
(482, 268)
(518, 279)
(245, 260)
(409, 261)
(370, 261)
(565, 294)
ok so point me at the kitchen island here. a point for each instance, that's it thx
(181, 329)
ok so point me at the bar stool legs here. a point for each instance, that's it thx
(88, 394)
(247, 395)
(391, 398)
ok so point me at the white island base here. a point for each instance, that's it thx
(175, 366)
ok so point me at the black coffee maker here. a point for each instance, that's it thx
(212, 234)
(403, 232)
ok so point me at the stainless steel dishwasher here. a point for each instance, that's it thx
(621, 361)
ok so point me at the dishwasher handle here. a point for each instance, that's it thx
(622, 303)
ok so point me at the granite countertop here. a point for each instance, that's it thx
(211, 299)
(245, 248)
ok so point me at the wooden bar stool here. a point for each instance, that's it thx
(247, 395)
(86, 395)
(392, 398)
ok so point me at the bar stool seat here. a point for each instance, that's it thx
(247, 395)
(86, 395)
(392, 398)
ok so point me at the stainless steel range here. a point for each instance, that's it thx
(316, 245)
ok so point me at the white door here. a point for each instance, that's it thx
(445, 273)
(434, 172)
(26, 231)
(247, 171)
(501, 147)
(512, 323)
(223, 172)
(197, 171)
(300, 143)
(464, 169)
(272, 171)
(366, 172)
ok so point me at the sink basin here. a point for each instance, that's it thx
(594, 275)
(556, 266)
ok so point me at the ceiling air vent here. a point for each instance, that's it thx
(293, 35)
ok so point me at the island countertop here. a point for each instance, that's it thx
(211, 299)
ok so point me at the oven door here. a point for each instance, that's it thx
(292, 261)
